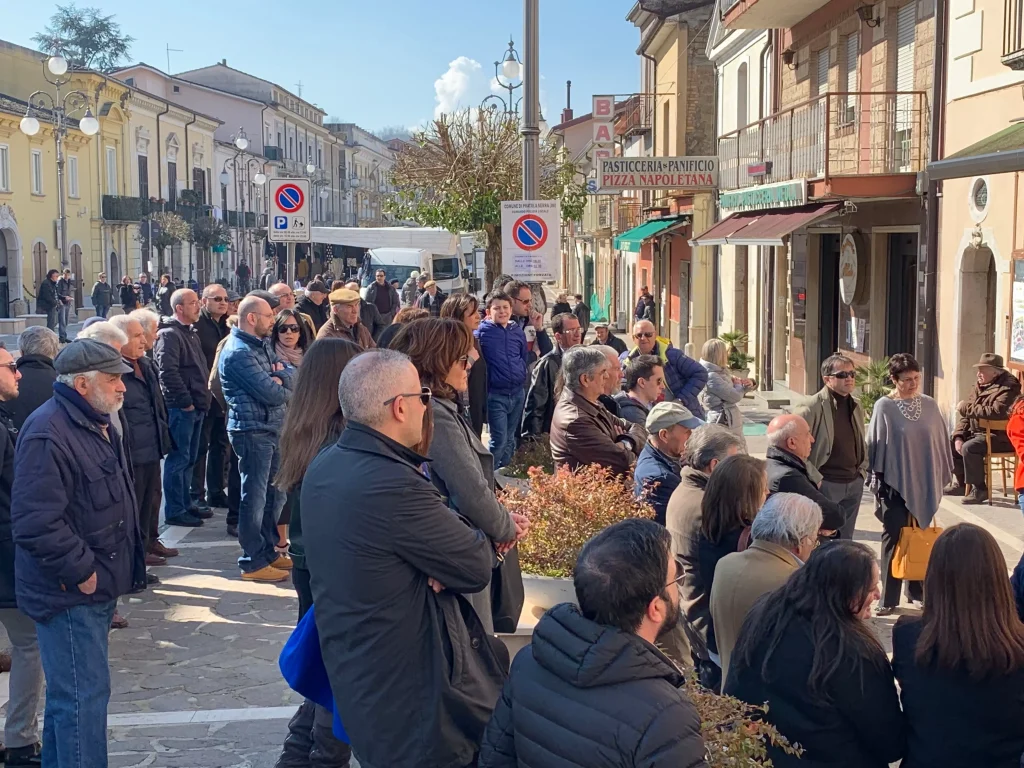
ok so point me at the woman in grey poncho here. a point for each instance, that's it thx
(908, 454)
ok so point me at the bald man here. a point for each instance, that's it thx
(369, 315)
(286, 300)
(685, 377)
(789, 446)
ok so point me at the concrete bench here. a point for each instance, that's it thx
(31, 320)
(117, 309)
(11, 326)
(84, 313)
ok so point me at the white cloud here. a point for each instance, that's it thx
(457, 87)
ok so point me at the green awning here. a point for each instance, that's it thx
(1002, 152)
(632, 239)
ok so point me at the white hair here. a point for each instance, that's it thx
(105, 333)
(711, 442)
(367, 381)
(122, 322)
(581, 361)
(787, 519)
(147, 317)
(68, 379)
(39, 340)
(607, 351)
(778, 437)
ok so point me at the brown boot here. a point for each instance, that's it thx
(152, 560)
(266, 574)
(157, 548)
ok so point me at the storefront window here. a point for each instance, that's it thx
(854, 295)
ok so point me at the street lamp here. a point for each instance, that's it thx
(241, 140)
(510, 69)
(55, 71)
(259, 178)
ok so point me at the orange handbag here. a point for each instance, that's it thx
(910, 558)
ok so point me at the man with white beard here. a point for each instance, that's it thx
(78, 547)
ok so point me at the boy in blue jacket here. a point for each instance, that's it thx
(503, 346)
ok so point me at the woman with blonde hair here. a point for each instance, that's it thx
(723, 392)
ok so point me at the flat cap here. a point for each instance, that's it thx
(85, 355)
(267, 296)
(233, 295)
(429, 283)
(343, 296)
(317, 285)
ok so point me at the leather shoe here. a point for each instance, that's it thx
(201, 513)
(23, 757)
(221, 502)
(976, 496)
(119, 622)
(266, 574)
(152, 579)
(233, 530)
(953, 489)
(158, 548)
(186, 520)
(152, 559)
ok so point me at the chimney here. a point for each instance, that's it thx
(223, 62)
(567, 112)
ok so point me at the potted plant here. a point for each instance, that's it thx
(873, 383)
(739, 360)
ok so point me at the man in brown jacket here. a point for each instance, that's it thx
(992, 397)
(783, 535)
(582, 430)
(344, 321)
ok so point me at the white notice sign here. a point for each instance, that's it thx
(530, 236)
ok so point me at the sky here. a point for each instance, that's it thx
(379, 62)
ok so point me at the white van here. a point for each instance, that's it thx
(447, 270)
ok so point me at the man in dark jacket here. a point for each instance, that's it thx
(368, 314)
(643, 383)
(314, 304)
(383, 297)
(38, 347)
(600, 662)
(603, 335)
(527, 318)
(582, 312)
(994, 393)
(21, 733)
(388, 581)
(431, 299)
(789, 446)
(102, 295)
(656, 474)
(47, 300)
(78, 547)
(684, 376)
(146, 290)
(184, 378)
(540, 398)
(65, 291)
(208, 473)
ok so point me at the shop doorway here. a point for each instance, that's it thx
(901, 312)
(828, 296)
(976, 323)
(665, 287)
(766, 259)
(684, 303)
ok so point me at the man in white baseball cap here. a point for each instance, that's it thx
(657, 468)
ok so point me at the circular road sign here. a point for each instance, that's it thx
(289, 198)
(530, 232)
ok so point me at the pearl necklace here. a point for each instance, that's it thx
(911, 409)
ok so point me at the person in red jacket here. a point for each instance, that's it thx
(1015, 431)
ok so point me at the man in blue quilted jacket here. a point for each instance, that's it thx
(256, 388)
(684, 376)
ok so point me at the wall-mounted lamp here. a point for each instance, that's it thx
(789, 58)
(867, 15)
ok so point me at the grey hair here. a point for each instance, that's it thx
(178, 297)
(709, 443)
(121, 322)
(39, 340)
(778, 437)
(68, 379)
(581, 361)
(607, 351)
(147, 317)
(367, 381)
(106, 333)
(787, 519)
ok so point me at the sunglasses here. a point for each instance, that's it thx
(643, 335)
(289, 329)
(467, 361)
(217, 298)
(424, 395)
(679, 569)
(11, 366)
(843, 375)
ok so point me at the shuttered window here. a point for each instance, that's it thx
(821, 77)
(852, 80)
(906, 23)
(72, 176)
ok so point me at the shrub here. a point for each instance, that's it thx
(566, 509)
(873, 383)
(737, 341)
(532, 453)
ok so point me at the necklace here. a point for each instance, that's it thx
(911, 409)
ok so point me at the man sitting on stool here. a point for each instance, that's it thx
(992, 397)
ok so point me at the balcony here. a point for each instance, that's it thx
(604, 213)
(118, 208)
(629, 214)
(834, 141)
(273, 153)
(768, 14)
(636, 114)
(234, 219)
(1013, 33)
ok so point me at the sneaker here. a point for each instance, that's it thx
(202, 514)
(158, 548)
(232, 530)
(186, 520)
(23, 757)
(954, 489)
(283, 563)
(976, 496)
(266, 574)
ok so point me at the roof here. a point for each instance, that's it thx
(254, 77)
(1002, 152)
(160, 72)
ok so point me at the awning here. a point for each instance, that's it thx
(632, 239)
(764, 227)
(1001, 152)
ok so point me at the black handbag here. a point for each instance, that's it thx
(507, 593)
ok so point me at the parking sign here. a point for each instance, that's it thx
(289, 209)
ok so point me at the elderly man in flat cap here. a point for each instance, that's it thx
(344, 321)
(78, 547)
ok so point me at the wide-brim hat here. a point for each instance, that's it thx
(990, 360)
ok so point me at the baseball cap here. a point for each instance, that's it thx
(267, 296)
(667, 415)
(85, 355)
(343, 296)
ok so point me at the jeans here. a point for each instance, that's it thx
(101, 309)
(234, 488)
(258, 460)
(208, 472)
(504, 415)
(26, 683)
(51, 319)
(969, 467)
(186, 428)
(73, 647)
(847, 496)
(63, 312)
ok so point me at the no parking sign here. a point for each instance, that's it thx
(289, 211)
(530, 239)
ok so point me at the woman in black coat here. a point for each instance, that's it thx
(128, 294)
(163, 295)
(466, 308)
(807, 652)
(960, 665)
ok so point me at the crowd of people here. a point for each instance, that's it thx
(278, 403)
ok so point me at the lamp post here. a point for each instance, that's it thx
(318, 183)
(55, 71)
(506, 73)
(531, 110)
(259, 178)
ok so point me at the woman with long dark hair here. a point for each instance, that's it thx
(461, 467)
(807, 652)
(163, 295)
(290, 337)
(405, 315)
(735, 491)
(128, 293)
(960, 665)
(314, 421)
(465, 307)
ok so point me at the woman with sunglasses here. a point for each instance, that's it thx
(290, 337)
(461, 467)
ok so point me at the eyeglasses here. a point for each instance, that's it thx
(843, 375)
(424, 395)
(217, 298)
(467, 361)
(679, 569)
(289, 329)
(572, 331)
(643, 335)
(11, 366)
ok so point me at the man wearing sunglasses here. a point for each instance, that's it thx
(839, 458)
(208, 472)
(684, 376)
(540, 398)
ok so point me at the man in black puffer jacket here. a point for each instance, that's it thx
(616, 693)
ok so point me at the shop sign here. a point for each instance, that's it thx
(848, 271)
(782, 194)
(697, 173)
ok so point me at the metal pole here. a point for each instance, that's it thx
(59, 127)
(531, 101)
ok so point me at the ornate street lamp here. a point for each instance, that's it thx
(60, 108)
(506, 73)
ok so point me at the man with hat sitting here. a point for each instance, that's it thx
(657, 468)
(344, 321)
(78, 547)
(992, 397)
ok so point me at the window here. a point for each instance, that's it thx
(111, 171)
(224, 200)
(848, 112)
(5, 168)
(37, 172)
(741, 96)
(906, 23)
(72, 176)
(176, 89)
(172, 182)
(821, 73)
(664, 125)
(143, 177)
(129, 81)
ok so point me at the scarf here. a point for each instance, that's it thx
(291, 356)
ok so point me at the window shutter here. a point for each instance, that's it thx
(72, 176)
(822, 75)
(852, 58)
(906, 22)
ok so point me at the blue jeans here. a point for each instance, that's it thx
(63, 313)
(261, 503)
(101, 309)
(186, 428)
(504, 416)
(73, 647)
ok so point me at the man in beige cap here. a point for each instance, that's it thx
(431, 299)
(344, 321)
(657, 468)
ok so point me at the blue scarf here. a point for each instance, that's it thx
(81, 403)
